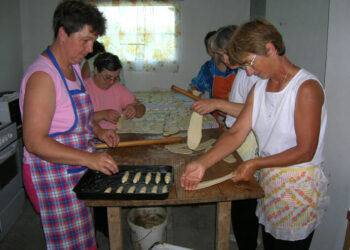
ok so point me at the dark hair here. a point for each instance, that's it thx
(73, 15)
(206, 38)
(97, 48)
(107, 61)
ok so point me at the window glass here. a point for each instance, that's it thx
(145, 35)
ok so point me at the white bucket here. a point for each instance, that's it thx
(147, 225)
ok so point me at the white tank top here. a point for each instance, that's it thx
(273, 118)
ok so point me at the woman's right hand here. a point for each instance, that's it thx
(204, 106)
(102, 162)
(193, 174)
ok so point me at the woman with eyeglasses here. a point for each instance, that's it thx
(109, 97)
(287, 112)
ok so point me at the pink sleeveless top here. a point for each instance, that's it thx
(63, 118)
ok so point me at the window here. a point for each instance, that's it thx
(144, 34)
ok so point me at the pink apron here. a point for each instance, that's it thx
(67, 222)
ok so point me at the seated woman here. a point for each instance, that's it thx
(109, 98)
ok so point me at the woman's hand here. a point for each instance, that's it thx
(245, 171)
(130, 112)
(102, 162)
(206, 106)
(111, 115)
(109, 137)
(193, 175)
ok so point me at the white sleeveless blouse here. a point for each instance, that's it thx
(273, 118)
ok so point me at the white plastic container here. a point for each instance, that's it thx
(147, 225)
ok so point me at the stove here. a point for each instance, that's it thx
(12, 194)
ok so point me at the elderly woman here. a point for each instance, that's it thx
(109, 97)
(287, 113)
(58, 129)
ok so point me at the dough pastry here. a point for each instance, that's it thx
(196, 92)
(120, 122)
(125, 177)
(108, 190)
(167, 178)
(184, 151)
(143, 190)
(137, 177)
(120, 190)
(148, 177)
(132, 189)
(194, 133)
(230, 159)
(158, 177)
(165, 189)
(171, 132)
(154, 189)
(205, 144)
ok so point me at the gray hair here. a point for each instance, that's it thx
(222, 37)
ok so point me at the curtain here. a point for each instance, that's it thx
(144, 34)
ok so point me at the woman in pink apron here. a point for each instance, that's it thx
(58, 129)
(287, 112)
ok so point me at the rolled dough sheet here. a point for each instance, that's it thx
(194, 134)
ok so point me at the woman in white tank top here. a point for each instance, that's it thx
(287, 113)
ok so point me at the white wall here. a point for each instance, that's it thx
(330, 234)
(303, 25)
(36, 27)
(197, 18)
(10, 45)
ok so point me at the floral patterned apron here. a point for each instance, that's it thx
(295, 201)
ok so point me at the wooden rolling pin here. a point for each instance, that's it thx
(197, 98)
(184, 92)
(141, 142)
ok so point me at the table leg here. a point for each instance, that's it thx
(115, 228)
(223, 225)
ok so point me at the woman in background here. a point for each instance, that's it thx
(109, 98)
(287, 113)
(203, 82)
(87, 65)
(58, 129)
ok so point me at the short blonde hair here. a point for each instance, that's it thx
(252, 37)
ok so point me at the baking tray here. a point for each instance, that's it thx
(93, 184)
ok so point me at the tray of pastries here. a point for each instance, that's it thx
(130, 183)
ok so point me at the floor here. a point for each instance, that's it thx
(191, 226)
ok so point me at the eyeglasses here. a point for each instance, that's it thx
(110, 78)
(250, 65)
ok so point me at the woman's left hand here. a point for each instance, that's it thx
(109, 137)
(245, 171)
(130, 112)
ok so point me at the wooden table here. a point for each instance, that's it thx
(222, 194)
